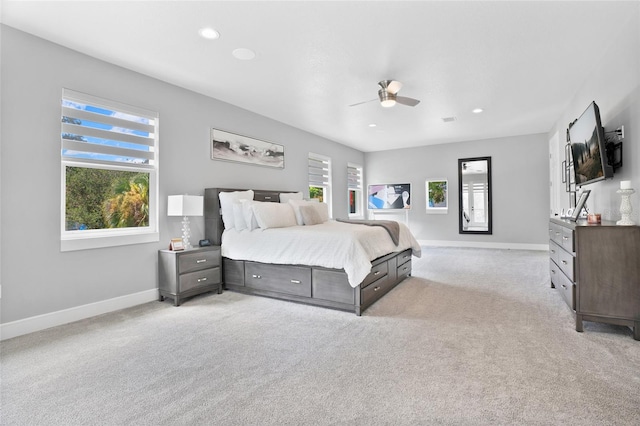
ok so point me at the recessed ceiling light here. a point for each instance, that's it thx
(372, 125)
(448, 119)
(208, 33)
(477, 110)
(244, 54)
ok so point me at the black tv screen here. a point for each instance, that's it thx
(588, 147)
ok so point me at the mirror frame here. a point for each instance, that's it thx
(489, 230)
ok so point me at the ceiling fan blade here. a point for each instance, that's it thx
(394, 86)
(407, 101)
(364, 102)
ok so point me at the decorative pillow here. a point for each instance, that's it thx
(310, 215)
(296, 204)
(274, 215)
(322, 209)
(238, 215)
(226, 205)
(286, 196)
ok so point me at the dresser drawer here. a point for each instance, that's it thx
(555, 233)
(566, 262)
(377, 271)
(189, 262)
(554, 250)
(295, 280)
(568, 240)
(566, 288)
(199, 278)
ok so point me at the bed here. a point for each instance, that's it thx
(331, 264)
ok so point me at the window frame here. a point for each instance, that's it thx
(326, 183)
(358, 188)
(99, 238)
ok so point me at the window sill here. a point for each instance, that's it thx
(73, 244)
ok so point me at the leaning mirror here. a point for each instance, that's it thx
(474, 191)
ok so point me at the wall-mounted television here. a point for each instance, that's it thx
(588, 147)
(389, 196)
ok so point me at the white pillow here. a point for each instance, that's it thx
(310, 215)
(286, 196)
(249, 216)
(238, 215)
(323, 209)
(274, 215)
(226, 205)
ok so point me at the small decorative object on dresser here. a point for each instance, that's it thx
(626, 209)
(595, 267)
(186, 273)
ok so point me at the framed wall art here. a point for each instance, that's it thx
(389, 196)
(437, 196)
(228, 146)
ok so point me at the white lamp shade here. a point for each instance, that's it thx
(185, 205)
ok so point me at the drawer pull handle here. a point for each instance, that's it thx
(202, 279)
(376, 288)
(201, 260)
(267, 197)
(404, 268)
(557, 233)
(376, 273)
(563, 286)
(553, 271)
(565, 238)
(256, 276)
(564, 262)
(553, 251)
(295, 281)
(405, 256)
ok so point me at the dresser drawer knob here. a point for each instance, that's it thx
(376, 273)
(376, 288)
(553, 251)
(201, 260)
(296, 281)
(202, 279)
(564, 262)
(256, 276)
(563, 286)
(565, 238)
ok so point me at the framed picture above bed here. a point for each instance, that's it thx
(437, 196)
(228, 146)
(395, 196)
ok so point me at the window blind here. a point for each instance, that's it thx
(319, 171)
(354, 177)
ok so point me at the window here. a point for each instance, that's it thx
(109, 173)
(320, 178)
(354, 185)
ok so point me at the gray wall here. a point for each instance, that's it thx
(614, 84)
(36, 277)
(520, 187)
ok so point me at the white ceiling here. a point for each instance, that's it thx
(521, 62)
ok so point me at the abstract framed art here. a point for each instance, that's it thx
(226, 146)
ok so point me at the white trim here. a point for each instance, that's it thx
(65, 316)
(475, 244)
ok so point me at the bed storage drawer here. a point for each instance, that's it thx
(331, 285)
(377, 271)
(375, 290)
(233, 271)
(404, 271)
(287, 279)
(404, 257)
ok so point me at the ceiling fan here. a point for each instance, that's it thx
(388, 95)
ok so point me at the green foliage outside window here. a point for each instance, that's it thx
(99, 199)
(316, 192)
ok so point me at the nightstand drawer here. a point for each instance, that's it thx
(189, 262)
(199, 278)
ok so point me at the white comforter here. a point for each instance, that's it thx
(332, 244)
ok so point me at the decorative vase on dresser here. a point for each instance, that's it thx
(596, 267)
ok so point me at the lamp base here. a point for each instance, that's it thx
(186, 233)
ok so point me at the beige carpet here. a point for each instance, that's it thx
(475, 337)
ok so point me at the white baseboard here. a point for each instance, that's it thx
(481, 244)
(52, 319)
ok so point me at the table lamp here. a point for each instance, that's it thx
(185, 206)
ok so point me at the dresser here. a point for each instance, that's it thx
(186, 273)
(596, 269)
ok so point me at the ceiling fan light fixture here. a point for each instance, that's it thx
(387, 99)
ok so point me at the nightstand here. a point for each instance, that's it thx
(186, 273)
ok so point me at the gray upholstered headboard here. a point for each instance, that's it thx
(213, 225)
